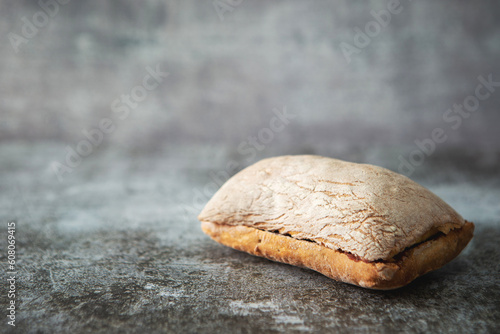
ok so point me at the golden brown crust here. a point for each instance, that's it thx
(404, 268)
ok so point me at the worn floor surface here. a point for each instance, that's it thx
(116, 247)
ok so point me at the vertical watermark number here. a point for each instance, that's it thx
(11, 273)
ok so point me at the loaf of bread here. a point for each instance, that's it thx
(357, 223)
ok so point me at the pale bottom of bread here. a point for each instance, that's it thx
(382, 275)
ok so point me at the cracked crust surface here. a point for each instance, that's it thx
(362, 209)
(407, 266)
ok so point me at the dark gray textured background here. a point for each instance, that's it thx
(115, 246)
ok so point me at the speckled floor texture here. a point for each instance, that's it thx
(116, 247)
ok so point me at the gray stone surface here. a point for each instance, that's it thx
(226, 76)
(113, 244)
(117, 247)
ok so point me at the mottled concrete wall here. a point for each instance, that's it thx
(227, 75)
(110, 243)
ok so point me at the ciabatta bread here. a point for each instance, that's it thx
(357, 223)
